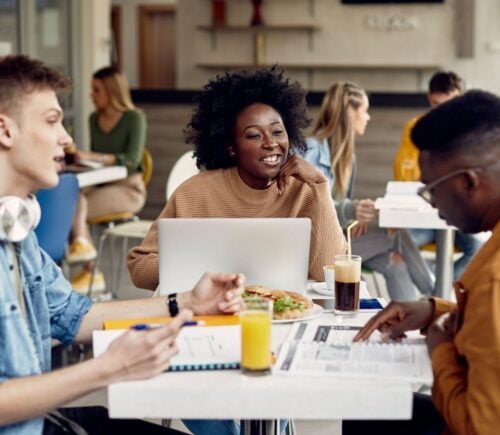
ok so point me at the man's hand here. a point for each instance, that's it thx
(215, 293)
(442, 330)
(397, 318)
(300, 169)
(142, 354)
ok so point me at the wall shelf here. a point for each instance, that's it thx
(258, 29)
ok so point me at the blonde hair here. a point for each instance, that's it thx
(335, 125)
(117, 87)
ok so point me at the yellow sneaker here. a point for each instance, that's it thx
(81, 250)
(81, 281)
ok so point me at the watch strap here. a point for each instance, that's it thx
(173, 307)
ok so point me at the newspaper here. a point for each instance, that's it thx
(314, 349)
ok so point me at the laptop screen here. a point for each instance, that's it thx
(271, 251)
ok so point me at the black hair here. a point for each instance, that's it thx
(211, 128)
(444, 82)
(450, 127)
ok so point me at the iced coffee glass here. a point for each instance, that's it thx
(347, 278)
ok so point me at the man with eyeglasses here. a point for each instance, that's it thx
(459, 145)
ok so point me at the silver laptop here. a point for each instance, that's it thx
(273, 251)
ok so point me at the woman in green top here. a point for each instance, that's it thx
(117, 134)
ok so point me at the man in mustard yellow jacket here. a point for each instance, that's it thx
(459, 144)
(443, 86)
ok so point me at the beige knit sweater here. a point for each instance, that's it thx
(222, 193)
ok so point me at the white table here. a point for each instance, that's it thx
(101, 175)
(401, 207)
(427, 219)
(228, 394)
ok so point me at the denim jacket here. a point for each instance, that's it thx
(318, 154)
(53, 310)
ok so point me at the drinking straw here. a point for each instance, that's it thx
(353, 224)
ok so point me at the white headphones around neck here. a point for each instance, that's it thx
(18, 216)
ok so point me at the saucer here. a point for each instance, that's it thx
(322, 289)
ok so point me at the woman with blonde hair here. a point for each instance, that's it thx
(118, 136)
(343, 116)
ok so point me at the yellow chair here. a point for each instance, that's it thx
(125, 225)
(111, 218)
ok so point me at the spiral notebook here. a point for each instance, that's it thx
(200, 347)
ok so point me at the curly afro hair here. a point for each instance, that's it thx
(211, 128)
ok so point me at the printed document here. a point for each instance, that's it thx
(200, 347)
(328, 350)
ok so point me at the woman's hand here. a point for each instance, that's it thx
(83, 155)
(214, 293)
(300, 169)
(365, 211)
(359, 229)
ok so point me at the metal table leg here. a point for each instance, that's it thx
(444, 262)
(259, 427)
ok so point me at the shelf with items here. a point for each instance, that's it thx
(259, 33)
(257, 29)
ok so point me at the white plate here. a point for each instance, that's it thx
(320, 287)
(316, 312)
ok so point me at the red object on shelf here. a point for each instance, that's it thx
(219, 13)
(257, 13)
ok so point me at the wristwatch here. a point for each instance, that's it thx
(173, 307)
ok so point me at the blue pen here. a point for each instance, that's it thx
(140, 327)
(193, 323)
(145, 326)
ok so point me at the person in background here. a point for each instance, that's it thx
(459, 145)
(117, 137)
(343, 116)
(443, 86)
(247, 132)
(37, 303)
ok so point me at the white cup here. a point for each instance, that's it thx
(329, 271)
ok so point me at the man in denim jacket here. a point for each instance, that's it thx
(36, 301)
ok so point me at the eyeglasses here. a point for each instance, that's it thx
(427, 192)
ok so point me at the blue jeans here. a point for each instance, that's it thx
(212, 427)
(220, 427)
(469, 244)
(375, 248)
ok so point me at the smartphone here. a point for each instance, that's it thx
(328, 305)
(370, 304)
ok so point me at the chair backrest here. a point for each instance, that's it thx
(147, 166)
(58, 207)
(183, 168)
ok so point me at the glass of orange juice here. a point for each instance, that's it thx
(255, 320)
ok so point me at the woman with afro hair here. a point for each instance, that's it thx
(247, 133)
